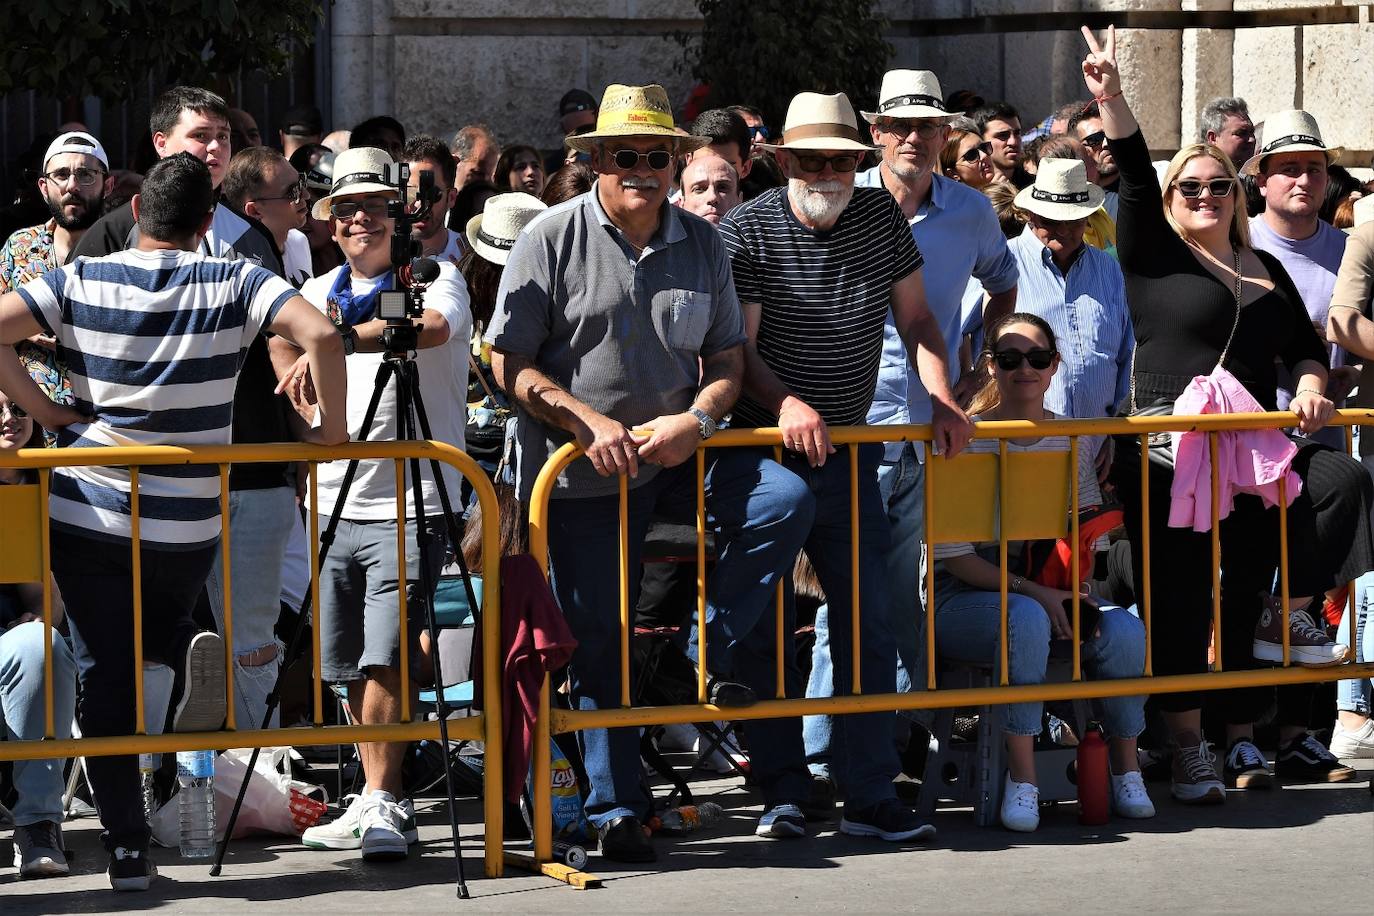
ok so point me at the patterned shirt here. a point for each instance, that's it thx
(27, 255)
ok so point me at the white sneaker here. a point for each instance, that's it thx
(1129, 798)
(1020, 806)
(1358, 744)
(383, 828)
(345, 831)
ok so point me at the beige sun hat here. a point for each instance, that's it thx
(356, 171)
(910, 94)
(1293, 131)
(635, 111)
(1061, 191)
(492, 233)
(821, 122)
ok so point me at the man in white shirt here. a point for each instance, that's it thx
(426, 154)
(358, 620)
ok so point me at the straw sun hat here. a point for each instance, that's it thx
(1293, 131)
(356, 171)
(635, 111)
(1061, 191)
(492, 233)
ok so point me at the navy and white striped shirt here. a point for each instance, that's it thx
(153, 342)
(824, 297)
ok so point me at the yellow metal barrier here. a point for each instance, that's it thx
(1045, 487)
(25, 557)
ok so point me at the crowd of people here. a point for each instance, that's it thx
(931, 261)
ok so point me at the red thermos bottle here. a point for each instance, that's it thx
(1093, 805)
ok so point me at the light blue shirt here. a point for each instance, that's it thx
(959, 237)
(1091, 321)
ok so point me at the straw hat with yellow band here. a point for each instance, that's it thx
(635, 111)
(821, 122)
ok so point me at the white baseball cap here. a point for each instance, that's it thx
(76, 141)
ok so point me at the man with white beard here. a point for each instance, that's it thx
(817, 266)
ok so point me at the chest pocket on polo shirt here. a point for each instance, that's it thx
(686, 315)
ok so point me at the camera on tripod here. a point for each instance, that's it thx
(401, 306)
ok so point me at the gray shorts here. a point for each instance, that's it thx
(359, 614)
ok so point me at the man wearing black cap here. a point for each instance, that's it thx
(302, 125)
(576, 114)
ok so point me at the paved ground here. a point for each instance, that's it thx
(1299, 849)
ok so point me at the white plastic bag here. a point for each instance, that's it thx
(274, 803)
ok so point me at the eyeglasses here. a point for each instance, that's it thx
(626, 159)
(347, 209)
(973, 152)
(84, 177)
(13, 411)
(845, 162)
(1008, 360)
(758, 132)
(296, 193)
(1191, 188)
(902, 127)
(1095, 140)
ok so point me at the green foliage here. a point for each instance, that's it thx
(763, 52)
(108, 47)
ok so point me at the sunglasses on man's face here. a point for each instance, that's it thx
(758, 132)
(347, 209)
(1095, 140)
(903, 127)
(1191, 188)
(1009, 360)
(973, 153)
(626, 159)
(814, 165)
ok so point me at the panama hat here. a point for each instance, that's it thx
(635, 111)
(910, 94)
(1061, 191)
(821, 122)
(356, 171)
(492, 233)
(1293, 131)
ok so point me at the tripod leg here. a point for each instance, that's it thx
(408, 387)
(384, 372)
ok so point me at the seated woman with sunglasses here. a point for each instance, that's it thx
(1198, 291)
(965, 157)
(1020, 359)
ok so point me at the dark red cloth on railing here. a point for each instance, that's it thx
(535, 640)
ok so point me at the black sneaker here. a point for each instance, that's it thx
(723, 693)
(202, 698)
(1305, 760)
(820, 802)
(623, 840)
(888, 820)
(131, 869)
(1246, 767)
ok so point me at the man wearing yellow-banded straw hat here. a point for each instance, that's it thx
(617, 327)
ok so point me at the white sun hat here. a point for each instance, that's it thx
(910, 94)
(356, 171)
(1292, 131)
(492, 233)
(1061, 191)
(821, 122)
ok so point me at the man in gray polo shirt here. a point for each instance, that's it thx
(617, 325)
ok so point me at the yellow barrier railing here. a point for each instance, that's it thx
(26, 524)
(1052, 511)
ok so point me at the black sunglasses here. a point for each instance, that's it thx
(626, 159)
(1094, 139)
(758, 132)
(296, 193)
(1217, 187)
(903, 127)
(1009, 360)
(15, 411)
(973, 152)
(845, 162)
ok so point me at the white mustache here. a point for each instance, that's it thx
(825, 187)
(639, 184)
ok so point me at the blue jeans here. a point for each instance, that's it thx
(1353, 695)
(902, 486)
(762, 514)
(967, 625)
(259, 526)
(38, 782)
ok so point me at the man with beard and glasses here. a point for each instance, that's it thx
(74, 182)
(819, 265)
(960, 239)
(1087, 127)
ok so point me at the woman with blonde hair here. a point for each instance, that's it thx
(1201, 298)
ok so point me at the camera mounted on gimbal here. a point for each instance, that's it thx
(399, 307)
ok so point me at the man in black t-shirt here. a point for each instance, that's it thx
(818, 265)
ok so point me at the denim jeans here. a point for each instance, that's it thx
(96, 580)
(1353, 695)
(259, 526)
(902, 486)
(38, 782)
(967, 627)
(762, 514)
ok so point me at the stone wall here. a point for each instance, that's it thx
(438, 64)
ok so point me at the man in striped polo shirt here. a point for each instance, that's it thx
(818, 265)
(153, 338)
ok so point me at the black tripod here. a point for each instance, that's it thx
(411, 418)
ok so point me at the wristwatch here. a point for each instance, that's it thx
(350, 341)
(706, 424)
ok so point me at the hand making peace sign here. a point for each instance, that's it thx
(1099, 67)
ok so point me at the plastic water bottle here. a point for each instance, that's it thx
(147, 766)
(196, 776)
(689, 817)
